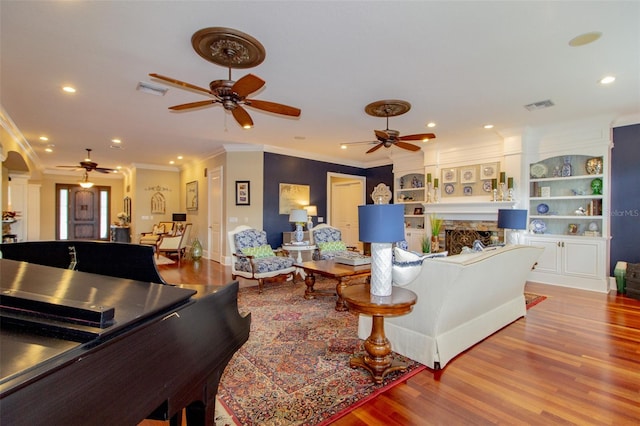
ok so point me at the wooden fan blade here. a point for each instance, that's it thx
(104, 170)
(381, 135)
(242, 116)
(247, 85)
(71, 167)
(193, 105)
(409, 146)
(375, 148)
(273, 107)
(417, 137)
(181, 83)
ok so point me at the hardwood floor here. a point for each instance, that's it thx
(575, 359)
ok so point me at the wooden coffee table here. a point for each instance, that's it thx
(331, 269)
(359, 300)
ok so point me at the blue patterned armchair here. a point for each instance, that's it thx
(328, 241)
(253, 258)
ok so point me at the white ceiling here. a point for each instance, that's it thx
(459, 64)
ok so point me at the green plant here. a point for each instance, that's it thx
(426, 244)
(436, 224)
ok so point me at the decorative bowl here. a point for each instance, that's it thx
(542, 208)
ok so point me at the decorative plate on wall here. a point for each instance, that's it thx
(449, 188)
(542, 208)
(468, 190)
(468, 175)
(449, 176)
(486, 185)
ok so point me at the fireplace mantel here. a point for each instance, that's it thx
(468, 210)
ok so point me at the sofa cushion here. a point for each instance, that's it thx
(258, 252)
(407, 264)
(158, 229)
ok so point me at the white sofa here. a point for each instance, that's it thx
(462, 299)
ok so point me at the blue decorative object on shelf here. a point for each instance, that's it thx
(542, 208)
(537, 226)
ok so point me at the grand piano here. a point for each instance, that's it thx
(79, 348)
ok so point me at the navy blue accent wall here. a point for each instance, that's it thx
(625, 195)
(285, 169)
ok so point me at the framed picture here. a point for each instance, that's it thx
(192, 195)
(417, 211)
(449, 176)
(489, 171)
(243, 193)
(293, 196)
(468, 175)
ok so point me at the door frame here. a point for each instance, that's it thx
(214, 208)
(333, 178)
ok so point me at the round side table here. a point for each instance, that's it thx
(359, 300)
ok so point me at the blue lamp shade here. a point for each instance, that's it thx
(179, 217)
(512, 219)
(381, 223)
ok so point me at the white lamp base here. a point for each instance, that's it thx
(512, 236)
(299, 233)
(381, 258)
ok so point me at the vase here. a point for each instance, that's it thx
(298, 234)
(196, 249)
(435, 244)
(620, 272)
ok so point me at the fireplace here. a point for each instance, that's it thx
(462, 233)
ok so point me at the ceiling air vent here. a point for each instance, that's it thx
(539, 105)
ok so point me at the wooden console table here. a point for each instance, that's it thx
(359, 300)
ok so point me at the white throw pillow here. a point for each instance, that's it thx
(407, 264)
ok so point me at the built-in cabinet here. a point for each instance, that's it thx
(409, 190)
(568, 195)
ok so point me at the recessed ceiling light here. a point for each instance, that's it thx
(488, 126)
(44, 138)
(585, 38)
(343, 146)
(172, 162)
(118, 167)
(179, 157)
(607, 79)
(69, 89)
(49, 148)
(116, 141)
(432, 124)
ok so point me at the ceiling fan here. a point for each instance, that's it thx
(390, 137)
(233, 49)
(89, 165)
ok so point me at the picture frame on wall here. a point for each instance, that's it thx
(243, 193)
(192, 195)
(449, 176)
(489, 171)
(468, 175)
(293, 196)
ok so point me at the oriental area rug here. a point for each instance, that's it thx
(294, 369)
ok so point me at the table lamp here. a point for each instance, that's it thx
(381, 225)
(514, 220)
(299, 217)
(311, 212)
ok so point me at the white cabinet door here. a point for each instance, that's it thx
(581, 258)
(551, 257)
(414, 239)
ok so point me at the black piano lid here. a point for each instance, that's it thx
(133, 302)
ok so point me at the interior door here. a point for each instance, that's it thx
(345, 199)
(215, 218)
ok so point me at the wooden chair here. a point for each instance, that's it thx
(176, 243)
(253, 258)
(153, 238)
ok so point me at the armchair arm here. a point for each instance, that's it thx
(249, 258)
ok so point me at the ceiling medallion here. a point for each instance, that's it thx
(387, 108)
(228, 47)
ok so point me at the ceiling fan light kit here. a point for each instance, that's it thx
(232, 49)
